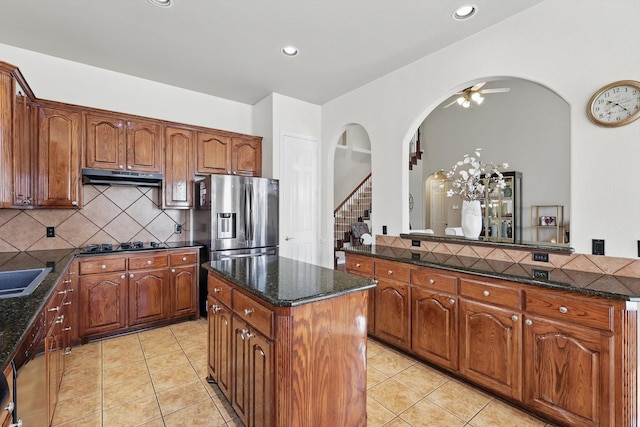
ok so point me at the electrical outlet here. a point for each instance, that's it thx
(597, 246)
(539, 256)
(384, 229)
(540, 274)
(178, 228)
(51, 232)
(415, 243)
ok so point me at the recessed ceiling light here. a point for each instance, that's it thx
(465, 12)
(161, 3)
(289, 51)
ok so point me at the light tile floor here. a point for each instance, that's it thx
(157, 378)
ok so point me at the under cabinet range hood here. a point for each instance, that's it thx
(106, 177)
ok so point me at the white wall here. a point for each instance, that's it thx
(351, 166)
(555, 44)
(75, 83)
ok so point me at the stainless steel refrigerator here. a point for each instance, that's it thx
(237, 215)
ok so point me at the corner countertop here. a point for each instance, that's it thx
(602, 285)
(18, 314)
(284, 282)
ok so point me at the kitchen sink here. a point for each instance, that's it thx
(17, 283)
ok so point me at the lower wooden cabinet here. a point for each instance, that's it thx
(148, 296)
(434, 327)
(183, 295)
(6, 412)
(491, 347)
(219, 345)
(568, 357)
(102, 303)
(568, 373)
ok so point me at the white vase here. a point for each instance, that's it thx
(471, 219)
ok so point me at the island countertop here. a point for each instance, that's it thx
(597, 284)
(284, 282)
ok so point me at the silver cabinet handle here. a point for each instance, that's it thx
(129, 167)
(10, 407)
(390, 272)
(122, 277)
(173, 270)
(514, 318)
(149, 262)
(103, 266)
(60, 318)
(184, 258)
(62, 292)
(452, 301)
(216, 290)
(563, 309)
(66, 303)
(431, 281)
(74, 203)
(67, 281)
(528, 322)
(485, 293)
(54, 308)
(248, 311)
(358, 265)
(120, 166)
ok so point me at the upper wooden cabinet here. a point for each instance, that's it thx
(220, 154)
(116, 142)
(24, 159)
(179, 171)
(59, 131)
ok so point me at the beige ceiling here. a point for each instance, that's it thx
(231, 48)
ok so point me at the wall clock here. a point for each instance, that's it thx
(616, 104)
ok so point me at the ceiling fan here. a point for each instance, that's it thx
(474, 93)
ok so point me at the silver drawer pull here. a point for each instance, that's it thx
(452, 301)
(173, 270)
(131, 275)
(514, 318)
(358, 265)
(67, 281)
(184, 258)
(9, 408)
(62, 292)
(216, 290)
(431, 281)
(60, 319)
(390, 272)
(103, 266)
(122, 277)
(528, 322)
(66, 303)
(485, 293)
(68, 328)
(248, 311)
(149, 262)
(563, 309)
(215, 308)
(54, 308)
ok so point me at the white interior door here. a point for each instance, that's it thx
(437, 208)
(299, 198)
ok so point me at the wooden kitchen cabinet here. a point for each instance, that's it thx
(6, 412)
(121, 142)
(222, 154)
(179, 171)
(59, 130)
(363, 266)
(393, 304)
(24, 153)
(148, 296)
(219, 345)
(183, 295)
(102, 303)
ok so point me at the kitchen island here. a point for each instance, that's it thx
(288, 341)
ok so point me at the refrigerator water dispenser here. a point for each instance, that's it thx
(226, 225)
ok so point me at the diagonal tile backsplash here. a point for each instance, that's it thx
(111, 214)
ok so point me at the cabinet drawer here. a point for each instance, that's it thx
(429, 279)
(362, 266)
(491, 293)
(103, 265)
(183, 258)
(392, 271)
(219, 290)
(253, 313)
(571, 309)
(149, 261)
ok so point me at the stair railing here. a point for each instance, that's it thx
(358, 207)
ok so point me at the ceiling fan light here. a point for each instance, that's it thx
(475, 96)
(460, 100)
(479, 100)
(466, 104)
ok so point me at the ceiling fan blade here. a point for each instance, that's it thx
(496, 90)
(451, 103)
(477, 86)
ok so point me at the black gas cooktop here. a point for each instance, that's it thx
(124, 246)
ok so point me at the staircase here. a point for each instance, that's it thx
(355, 208)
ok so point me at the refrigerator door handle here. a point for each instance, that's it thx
(247, 217)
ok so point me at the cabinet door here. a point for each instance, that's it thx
(435, 327)
(144, 146)
(102, 303)
(53, 353)
(58, 158)
(219, 350)
(148, 296)
(24, 156)
(491, 347)
(568, 372)
(260, 381)
(105, 142)
(183, 290)
(179, 170)
(240, 369)
(213, 154)
(393, 322)
(246, 157)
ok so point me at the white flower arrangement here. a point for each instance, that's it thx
(471, 176)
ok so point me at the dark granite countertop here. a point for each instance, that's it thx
(17, 314)
(603, 285)
(285, 282)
